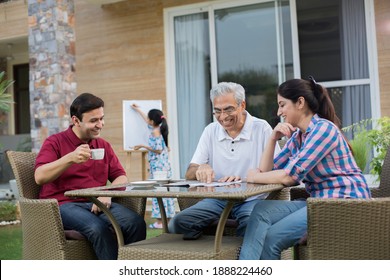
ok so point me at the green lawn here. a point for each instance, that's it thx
(11, 239)
(11, 242)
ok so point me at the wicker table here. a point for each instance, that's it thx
(172, 246)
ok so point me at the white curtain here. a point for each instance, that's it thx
(192, 82)
(354, 61)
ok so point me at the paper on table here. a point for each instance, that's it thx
(200, 184)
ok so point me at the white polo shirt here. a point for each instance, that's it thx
(228, 156)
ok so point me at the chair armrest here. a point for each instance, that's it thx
(298, 193)
(42, 228)
(382, 191)
(283, 194)
(348, 228)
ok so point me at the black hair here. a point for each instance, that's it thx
(157, 116)
(85, 102)
(316, 96)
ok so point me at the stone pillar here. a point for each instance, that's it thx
(51, 43)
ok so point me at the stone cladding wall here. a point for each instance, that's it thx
(51, 43)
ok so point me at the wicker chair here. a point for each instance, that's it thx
(348, 228)
(231, 224)
(43, 234)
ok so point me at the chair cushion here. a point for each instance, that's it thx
(73, 235)
(303, 240)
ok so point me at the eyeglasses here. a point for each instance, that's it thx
(228, 111)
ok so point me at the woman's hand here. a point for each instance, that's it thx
(283, 129)
(250, 177)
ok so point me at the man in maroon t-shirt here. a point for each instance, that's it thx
(64, 163)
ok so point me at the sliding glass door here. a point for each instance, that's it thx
(247, 44)
(260, 44)
(253, 48)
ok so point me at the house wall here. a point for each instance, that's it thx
(13, 19)
(382, 23)
(13, 26)
(120, 56)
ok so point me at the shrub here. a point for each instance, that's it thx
(366, 139)
(380, 140)
(360, 143)
(8, 211)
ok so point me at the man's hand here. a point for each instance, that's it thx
(105, 200)
(81, 154)
(48, 172)
(205, 173)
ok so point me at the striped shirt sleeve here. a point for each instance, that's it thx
(316, 145)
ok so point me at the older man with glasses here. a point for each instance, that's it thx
(227, 149)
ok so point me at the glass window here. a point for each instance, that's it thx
(351, 103)
(248, 53)
(333, 47)
(332, 39)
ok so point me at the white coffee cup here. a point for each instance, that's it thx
(97, 153)
(160, 175)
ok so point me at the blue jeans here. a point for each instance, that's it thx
(199, 216)
(273, 226)
(97, 229)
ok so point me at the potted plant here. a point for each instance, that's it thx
(361, 149)
(5, 104)
(379, 138)
(366, 140)
(5, 98)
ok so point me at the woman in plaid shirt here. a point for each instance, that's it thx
(316, 154)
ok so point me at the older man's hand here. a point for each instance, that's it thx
(205, 173)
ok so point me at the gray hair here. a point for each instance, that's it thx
(225, 88)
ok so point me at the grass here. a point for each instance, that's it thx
(11, 242)
(11, 239)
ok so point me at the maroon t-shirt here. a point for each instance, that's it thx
(91, 173)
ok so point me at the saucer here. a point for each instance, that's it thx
(144, 183)
(160, 181)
